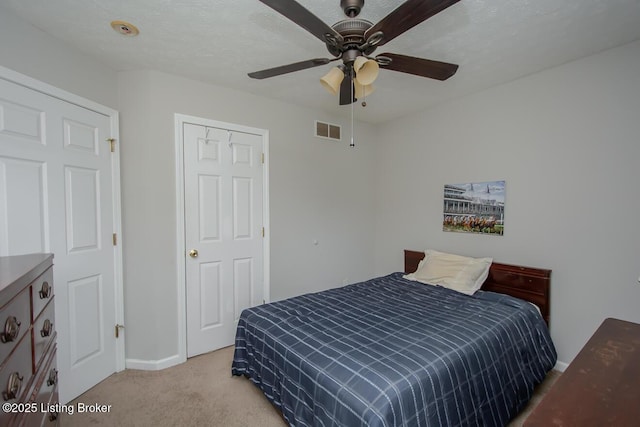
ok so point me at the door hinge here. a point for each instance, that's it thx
(262, 231)
(118, 327)
(262, 158)
(115, 239)
(112, 144)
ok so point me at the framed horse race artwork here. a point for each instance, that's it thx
(474, 207)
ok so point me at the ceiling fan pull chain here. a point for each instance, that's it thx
(364, 98)
(352, 144)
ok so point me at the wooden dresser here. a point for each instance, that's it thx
(28, 374)
(601, 387)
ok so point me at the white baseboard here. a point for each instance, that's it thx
(154, 365)
(561, 366)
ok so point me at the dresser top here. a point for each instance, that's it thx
(20, 270)
(601, 386)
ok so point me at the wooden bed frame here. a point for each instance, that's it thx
(527, 283)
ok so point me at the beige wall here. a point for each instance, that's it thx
(566, 141)
(319, 190)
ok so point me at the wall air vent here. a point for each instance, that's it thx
(328, 131)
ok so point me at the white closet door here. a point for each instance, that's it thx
(57, 195)
(223, 178)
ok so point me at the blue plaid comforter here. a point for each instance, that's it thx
(393, 352)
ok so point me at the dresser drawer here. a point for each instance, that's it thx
(42, 291)
(27, 340)
(43, 333)
(52, 417)
(15, 318)
(42, 414)
(44, 395)
(15, 375)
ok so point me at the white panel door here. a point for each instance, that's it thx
(223, 179)
(56, 196)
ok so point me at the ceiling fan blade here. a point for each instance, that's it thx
(419, 67)
(290, 68)
(347, 91)
(301, 16)
(407, 16)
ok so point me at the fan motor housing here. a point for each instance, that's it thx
(352, 31)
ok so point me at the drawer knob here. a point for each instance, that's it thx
(13, 386)
(45, 290)
(46, 328)
(53, 377)
(11, 329)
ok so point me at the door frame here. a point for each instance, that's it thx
(49, 90)
(180, 120)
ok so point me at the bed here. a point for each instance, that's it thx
(394, 352)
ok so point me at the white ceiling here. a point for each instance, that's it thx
(220, 41)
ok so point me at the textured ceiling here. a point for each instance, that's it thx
(220, 41)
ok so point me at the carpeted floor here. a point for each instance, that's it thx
(200, 392)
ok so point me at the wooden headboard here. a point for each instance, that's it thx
(527, 283)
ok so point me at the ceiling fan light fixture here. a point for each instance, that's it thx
(332, 80)
(363, 91)
(366, 70)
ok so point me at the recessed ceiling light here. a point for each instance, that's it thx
(125, 28)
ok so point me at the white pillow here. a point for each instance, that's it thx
(460, 273)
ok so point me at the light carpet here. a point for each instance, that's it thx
(200, 392)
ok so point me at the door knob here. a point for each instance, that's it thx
(193, 253)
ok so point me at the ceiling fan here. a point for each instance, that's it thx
(353, 40)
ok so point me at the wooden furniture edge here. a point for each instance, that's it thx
(601, 386)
